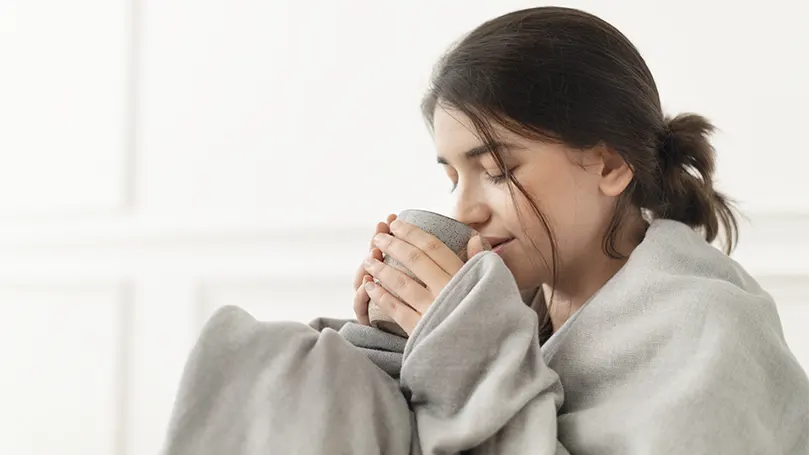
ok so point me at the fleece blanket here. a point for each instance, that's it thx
(681, 352)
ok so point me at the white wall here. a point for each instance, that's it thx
(161, 158)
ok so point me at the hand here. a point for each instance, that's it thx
(430, 260)
(361, 298)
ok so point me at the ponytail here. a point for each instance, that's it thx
(687, 162)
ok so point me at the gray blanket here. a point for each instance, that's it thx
(384, 349)
(681, 352)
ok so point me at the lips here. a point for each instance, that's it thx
(498, 243)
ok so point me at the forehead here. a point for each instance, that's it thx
(456, 138)
(453, 131)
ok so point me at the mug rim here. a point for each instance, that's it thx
(436, 214)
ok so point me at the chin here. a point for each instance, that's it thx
(525, 274)
(523, 279)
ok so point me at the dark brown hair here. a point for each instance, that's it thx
(563, 75)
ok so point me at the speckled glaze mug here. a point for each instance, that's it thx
(453, 233)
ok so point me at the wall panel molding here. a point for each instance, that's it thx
(70, 293)
(72, 136)
(756, 227)
(300, 298)
(786, 287)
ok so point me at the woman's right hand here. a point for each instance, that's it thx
(361, 298)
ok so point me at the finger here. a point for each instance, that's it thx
(401, 285)
(415, 260)
(376, 253)
(429, 244)
(382, 228)
(402, 314)
(361, 300)
(361, 272)
(476, 245)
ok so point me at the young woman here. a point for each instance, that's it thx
(602, 322)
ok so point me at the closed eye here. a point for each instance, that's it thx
(496, 179)
(499, 178)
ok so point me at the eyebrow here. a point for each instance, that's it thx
(480, 150)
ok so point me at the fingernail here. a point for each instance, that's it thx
(370, 286)
(368, 262)
(395, 224)
(380, 239)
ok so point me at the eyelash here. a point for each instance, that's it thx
(495, 179)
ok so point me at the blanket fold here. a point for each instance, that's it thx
(254, 387)
(384, 349)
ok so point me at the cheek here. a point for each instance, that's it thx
(554, 193)
(569, 205)
(569, 194)
(530, 227)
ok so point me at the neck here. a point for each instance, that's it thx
(580, 281)
(570, 295)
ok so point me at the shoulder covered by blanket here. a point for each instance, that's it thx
(681, 352)
(680, 338)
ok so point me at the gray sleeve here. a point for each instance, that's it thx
(474, 371)
(256, 388)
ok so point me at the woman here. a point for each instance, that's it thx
(603, 321)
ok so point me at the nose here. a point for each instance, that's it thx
(470, 209)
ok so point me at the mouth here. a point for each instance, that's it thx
(498, 243)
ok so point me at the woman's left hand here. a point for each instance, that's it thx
(430, 260)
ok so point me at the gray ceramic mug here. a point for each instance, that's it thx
(452, 233)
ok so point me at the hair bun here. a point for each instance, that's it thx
(684, 143)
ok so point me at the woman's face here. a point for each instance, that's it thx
(574, 189)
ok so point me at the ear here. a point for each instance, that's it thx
(615, 172)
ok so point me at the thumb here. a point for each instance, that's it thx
(476, 245)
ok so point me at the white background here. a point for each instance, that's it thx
(161, 158)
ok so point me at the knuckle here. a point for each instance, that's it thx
(399, 282)
(414, 255)
(409, 231)
(390, 302)
(433, 244)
